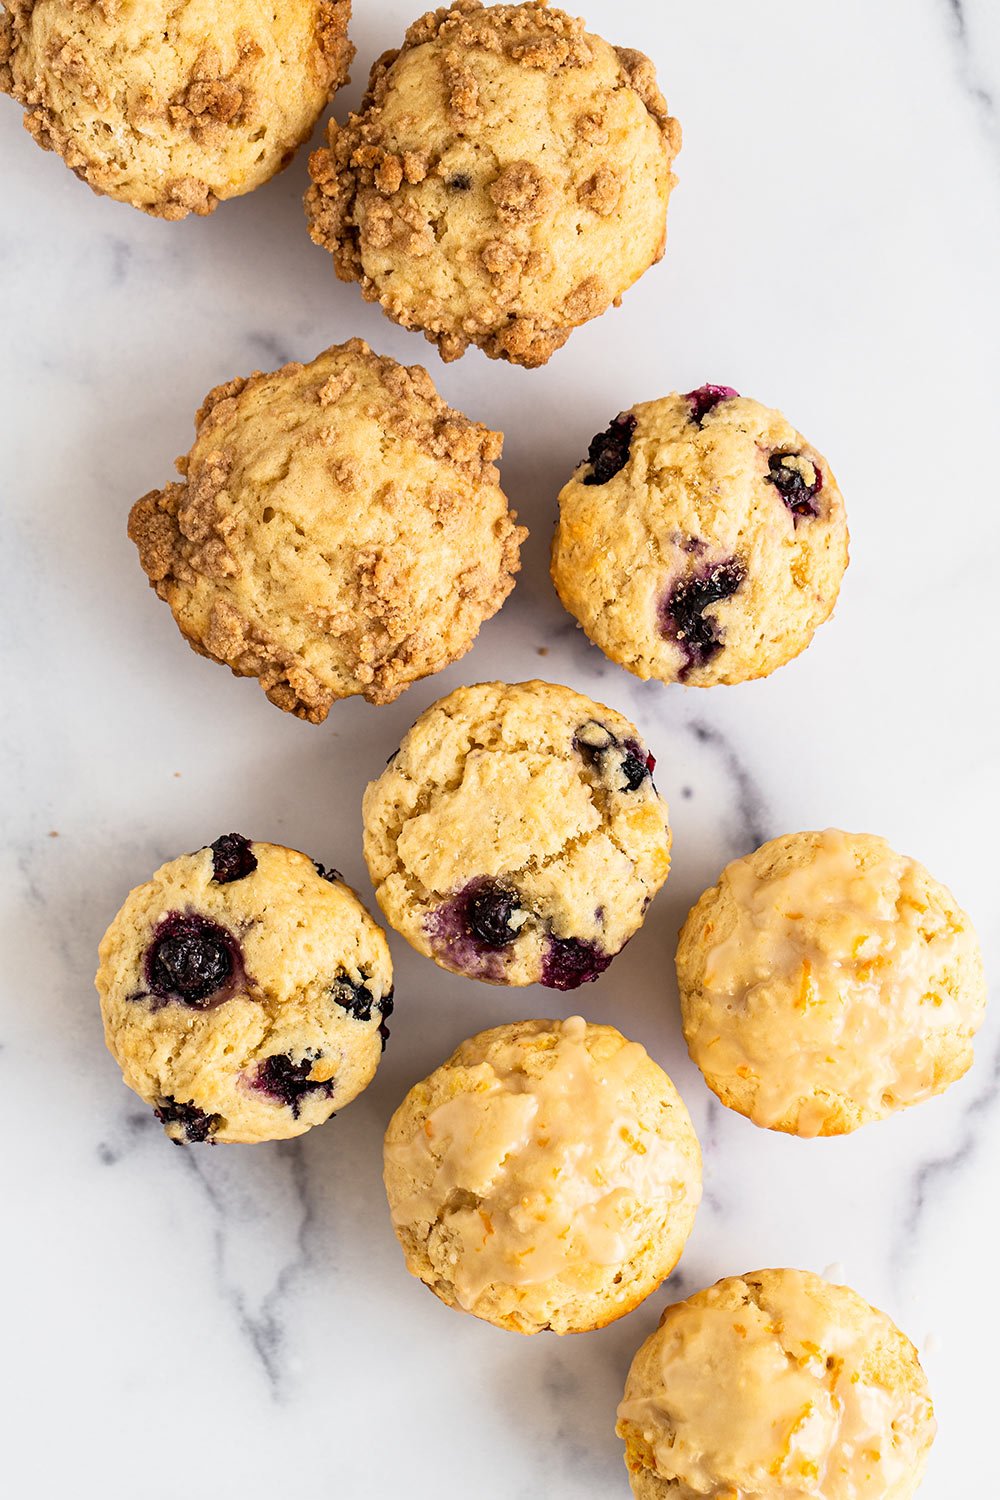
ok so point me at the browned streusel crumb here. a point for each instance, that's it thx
(339, 530)
(426, 199)
(148, 107)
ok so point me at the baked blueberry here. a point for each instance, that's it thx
(609, 450)
(190, 1123)
(191, 960)
(327, 872)
(682, 612)
(569, 963)
(798, 481)
(232, 858)
(625, 765)
(288, 1081)
(637, 764)
(706, 398)
(357, 999)
(476, 925)
(493, 913)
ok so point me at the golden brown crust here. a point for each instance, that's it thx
(306, 949)
(491, 781)
(438, 217)
(339, 530)
(145, 107)
(694, 497)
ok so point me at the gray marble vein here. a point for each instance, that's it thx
(937, 1175)
(964, 16)
(750, 804)
(242, 1209)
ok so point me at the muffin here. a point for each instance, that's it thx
(780, 1386)
(244, 991)
(516, 836)
(703, 540)
(545, 1176)
(338, 530)
(173, 106)
(827, 981)
(505, 179)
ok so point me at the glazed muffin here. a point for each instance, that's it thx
(702, 540)
(244, 991)
(780, 1386)
(827, 981)
(338, 530)
(516, 836)
(173, 106)
(505, 179)
(545, 1176)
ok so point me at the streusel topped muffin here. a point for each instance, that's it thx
(505, 179)
(173, 105)
(339, 529)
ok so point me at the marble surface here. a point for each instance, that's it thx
(237, 1322)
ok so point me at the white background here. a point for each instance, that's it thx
(238, 1322)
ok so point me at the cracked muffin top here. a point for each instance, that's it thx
(703, 540)
(244, 991)
(516, 836)
(338, 530)
(827, 981)
(172, 105)
(545, 1176)
(780, 1386)
(505, 179)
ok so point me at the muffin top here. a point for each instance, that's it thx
(505, 179)
(780, 1386)
(244, 992)
(827, 981)
(172, 105)
(516, 836)
(703, 540)
(545, 1176)
(339, 530)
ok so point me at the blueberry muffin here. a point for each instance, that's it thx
(516, 836)
(338, 530)
(505, 180)
(702, 540)
(779, 1386)
(173, 105)
(827, 981)
(545, 1176)
(245, 992)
